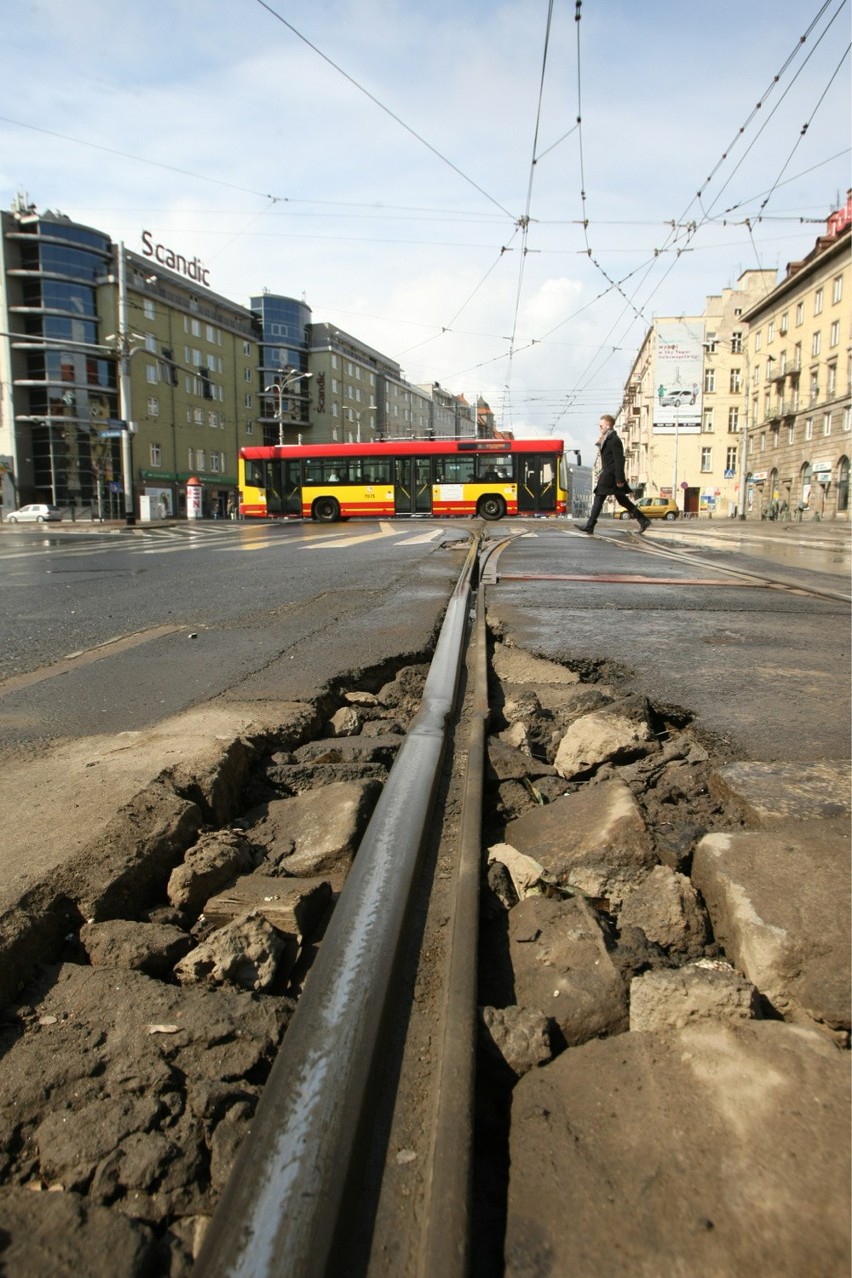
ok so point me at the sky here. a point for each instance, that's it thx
(501, 195)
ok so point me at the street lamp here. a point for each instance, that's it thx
(280, 389)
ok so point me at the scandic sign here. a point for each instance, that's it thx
(193, 270)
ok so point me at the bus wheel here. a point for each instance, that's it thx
(491, 507)
(326, 510)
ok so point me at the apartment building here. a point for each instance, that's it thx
(682, 412)
(122, 374)
(800, 391)
(191, 359)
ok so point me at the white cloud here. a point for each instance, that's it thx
(400, 178)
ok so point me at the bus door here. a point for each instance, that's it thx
(536, 483)
(283, 487)
(412, 485)
(293, 486)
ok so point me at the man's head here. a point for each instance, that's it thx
(606, 423)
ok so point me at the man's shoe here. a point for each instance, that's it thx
(644, 523)
(587, 528)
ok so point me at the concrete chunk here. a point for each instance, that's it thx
(674, 998)
(291, 905)
(595, 840)
(779, 902)
(771, 793)
(562, 968)
(715, 1150)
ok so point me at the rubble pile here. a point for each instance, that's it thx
(132, 1071)
(665, 992)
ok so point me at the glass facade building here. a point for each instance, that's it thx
(63, 376)
(285, 327)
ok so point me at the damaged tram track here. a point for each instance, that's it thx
(299, 1196)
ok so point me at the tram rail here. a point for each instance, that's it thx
(284, 1207)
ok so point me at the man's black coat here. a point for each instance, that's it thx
(612, 466)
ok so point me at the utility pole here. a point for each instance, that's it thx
(124, 405)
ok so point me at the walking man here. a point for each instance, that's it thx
(611, 481)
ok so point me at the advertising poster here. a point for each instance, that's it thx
(679, 376)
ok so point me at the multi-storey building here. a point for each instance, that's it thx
(122, 375)
(799, 396)
(283, 389)
(58, 383)
(191, 359)
(682, 414)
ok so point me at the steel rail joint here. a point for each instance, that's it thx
(279, 1210)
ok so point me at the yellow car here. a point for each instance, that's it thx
(653, 508)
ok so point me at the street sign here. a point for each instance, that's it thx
(729, 474)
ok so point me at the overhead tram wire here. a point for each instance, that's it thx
(392, 114)
(691, 227)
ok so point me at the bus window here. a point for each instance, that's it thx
(377, 470)
(326, 470)
(454, 470)
(494, 467)
(254, 474)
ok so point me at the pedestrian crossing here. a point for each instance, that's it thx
(227, 539)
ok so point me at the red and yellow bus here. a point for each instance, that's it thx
(404, 477)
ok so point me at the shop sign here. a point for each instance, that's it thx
(164, 256)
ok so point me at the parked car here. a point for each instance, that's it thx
(653, 508)
(36, 513)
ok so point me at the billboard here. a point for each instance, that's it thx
(678, 377)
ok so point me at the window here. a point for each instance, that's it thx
(454, 470)
(247, 348)
(791, 433)
(763, 441)
(736, 381)
(736, 343)
(837, 289)
(770, 332)
(247, 399)
(707, 425)
(831, 384)
(148, 308)
(210, 333)
(809, 428)
(797, 357)
(783, 324)
(733, 420)
(710, 344)
(800, 313)
(834, 333)
(776, 432)
(816, 343)
(153, 406)
(196, 328)
(826, 424)
(757, 341)
(249, 428)
(814, 391)
(214, 463)
(706, 460)
(152, 374)
(198, 416)
(709, 380)
(155, 455)
(150, 342)
(201, 459)
(818, 296)
(847, 420)
(731, 459)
